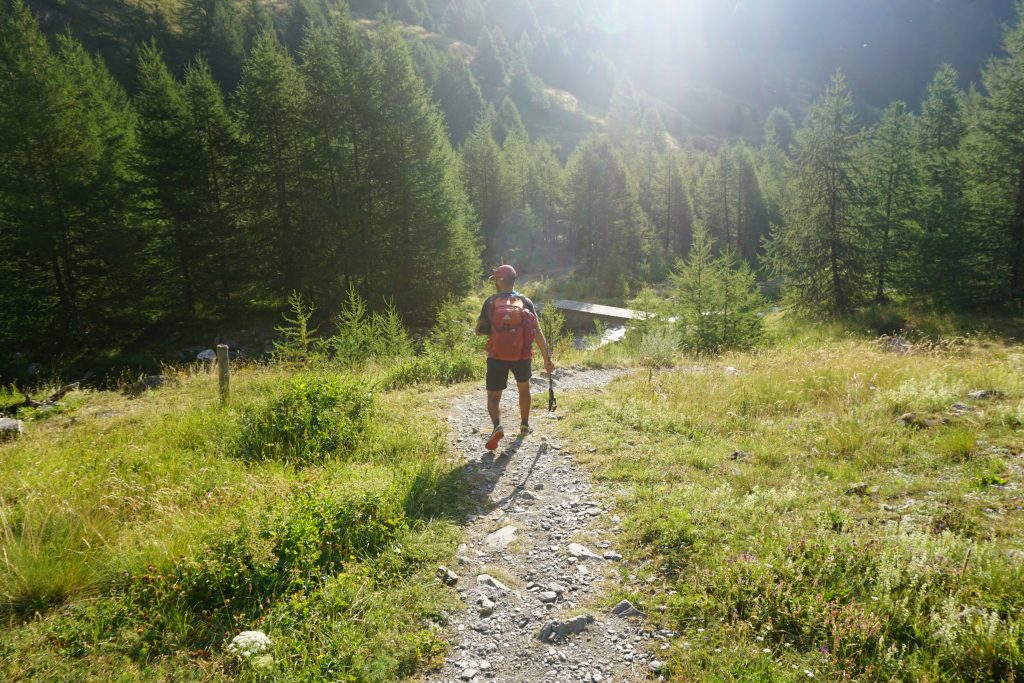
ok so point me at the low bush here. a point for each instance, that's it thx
(316, 417)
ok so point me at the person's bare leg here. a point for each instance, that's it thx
(494, 406)
(494, 409)
(524, 402)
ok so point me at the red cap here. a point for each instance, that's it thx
(504, 273)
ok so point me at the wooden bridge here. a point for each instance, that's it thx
(579, 314)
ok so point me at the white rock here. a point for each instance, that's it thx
(491, 582)
(11, 429)
(207, 355)
(501, 539)
(582, 552)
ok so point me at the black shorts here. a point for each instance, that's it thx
(497, 372)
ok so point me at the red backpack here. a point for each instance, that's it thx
(508, 328)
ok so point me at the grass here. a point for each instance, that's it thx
(138, 535)
(846, 545)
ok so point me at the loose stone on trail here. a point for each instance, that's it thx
(625, 609)
(491, 582)
(501, 539)
(447, 576)
(582, 552)
(522, 511)
(556, 631)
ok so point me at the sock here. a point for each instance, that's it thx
(497, 423)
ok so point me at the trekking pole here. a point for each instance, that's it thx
(552, 401)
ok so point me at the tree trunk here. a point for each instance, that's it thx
(884, 256)
(1017, 242)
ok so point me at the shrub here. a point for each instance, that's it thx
(315, 418)
(433, 365)
(362, 335)
(294, 547)
(719, 303)
(450, 354)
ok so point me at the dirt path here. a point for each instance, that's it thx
(518, 576)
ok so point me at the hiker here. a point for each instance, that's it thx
(509, 320)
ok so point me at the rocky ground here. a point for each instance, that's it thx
(538, 558)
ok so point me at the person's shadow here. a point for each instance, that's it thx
(467, 488)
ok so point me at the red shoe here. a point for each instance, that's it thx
(496, 436)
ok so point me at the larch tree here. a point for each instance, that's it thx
(275, 144)
(65, 140)
(215, 178)
(423, 212)
(996, 162)
(608, 229)
(940, 264)
(820, 250)
(486, 179)
(217, 29)
(891, 188)
(671, 212)
(167, 153)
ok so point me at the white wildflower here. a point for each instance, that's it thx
(248, 643)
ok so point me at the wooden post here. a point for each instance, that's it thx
(224, 371)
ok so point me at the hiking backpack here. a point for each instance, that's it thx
(508, 327)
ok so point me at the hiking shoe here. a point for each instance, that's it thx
(495, 437)
(525, 429)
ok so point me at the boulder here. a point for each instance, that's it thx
(626, 609)
(10, 429)
(555, 631)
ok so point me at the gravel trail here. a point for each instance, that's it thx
(536, 558)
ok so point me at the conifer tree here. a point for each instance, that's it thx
(486, 179)
(820, 250)
(359, 139)
(167, 154)
(671, 213)
(607, 227)
(255, 20)
(996, 156)
(718, 299)
(216, 28)
(327, 206)
(274, 148)
(508, 122)
(458, 95)
(489, 65)
(732, 205)
(780, 130)
(423, 212)
(940, 264)
(110, 265)
(464, 19)
(214, 175)
(891, 190)
(544, 192)
(65, 140)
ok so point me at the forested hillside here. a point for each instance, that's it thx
(199, 161)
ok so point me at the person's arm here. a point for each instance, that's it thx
(542, 344)
(483, 323)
